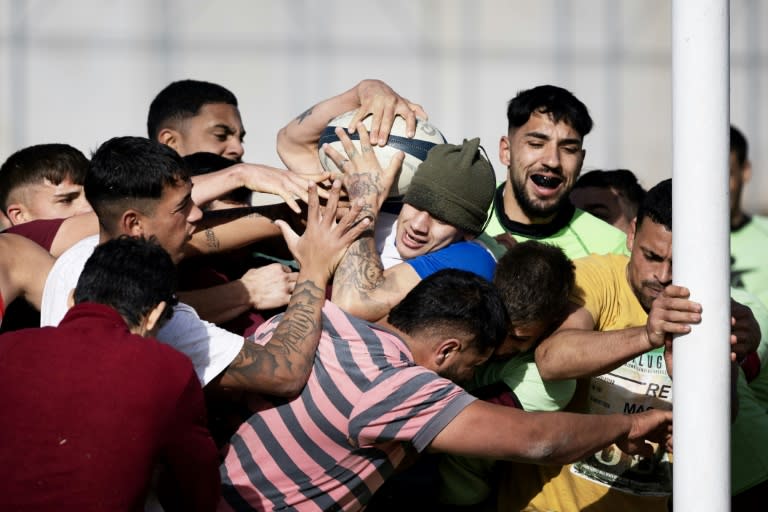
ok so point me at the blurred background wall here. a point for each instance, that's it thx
(82, 71)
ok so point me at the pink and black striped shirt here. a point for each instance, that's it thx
(366, 409)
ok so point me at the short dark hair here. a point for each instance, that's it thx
(657, 205)
(33, 164)
(454, 300)
(559, 103)
(131, 275)
(739, 145)
(183, 99)
(623, 180)
(535, 281)
(125, 170)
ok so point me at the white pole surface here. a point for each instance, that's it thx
(700, 121)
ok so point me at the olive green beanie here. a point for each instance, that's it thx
(454, 184)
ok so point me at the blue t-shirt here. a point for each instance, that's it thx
(469, 256)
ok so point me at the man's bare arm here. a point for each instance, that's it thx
(259, 178)
(361, 286)
(230, 233)
(484, 429)
(297, 141)
(259, 288)
(282, 365)
(24, 265)
(576, 350)
(72, 230)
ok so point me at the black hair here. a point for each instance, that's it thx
(559, 103)
(657, 205)
(739, 145)
(535, 281)
(130, 169)
(183, 99)
(32, 165)
(454, 300)
(623, 181)
(131, 275)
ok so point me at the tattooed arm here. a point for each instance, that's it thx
(297, 141)
(233, 228)
(282, 365)
(361, 286)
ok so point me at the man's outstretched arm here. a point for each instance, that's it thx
(576, 350)
(483, 429)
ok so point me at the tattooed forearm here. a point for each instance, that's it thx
(366, 186)
(360, 285)
(211, 239)
(283, 364)
(360, 270)
(301, 320)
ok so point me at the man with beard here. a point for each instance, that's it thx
(616, 341)
(543, 154)
(381, 394)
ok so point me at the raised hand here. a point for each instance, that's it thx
(325, 240)
(363, 176)
(379, 100)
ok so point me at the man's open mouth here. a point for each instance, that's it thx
(542, 181)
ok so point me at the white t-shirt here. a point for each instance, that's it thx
(385, 234)
(210, 348)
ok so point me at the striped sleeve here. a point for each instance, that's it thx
(411, 405)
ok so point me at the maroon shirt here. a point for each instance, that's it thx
(42, 231)
(19, 313)
(88, 409)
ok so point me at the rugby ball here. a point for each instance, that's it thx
(415, 148)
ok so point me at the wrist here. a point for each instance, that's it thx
(625, 427)
(320, 277)
(236, 176)
(646, 340)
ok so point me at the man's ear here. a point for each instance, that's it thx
(746, 171)
(631, 234)
(16, 213)
(504, 150)
(445, 350)
(131, 223)
(169, 137)
(153, 317)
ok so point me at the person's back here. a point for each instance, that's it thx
(81, 435)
